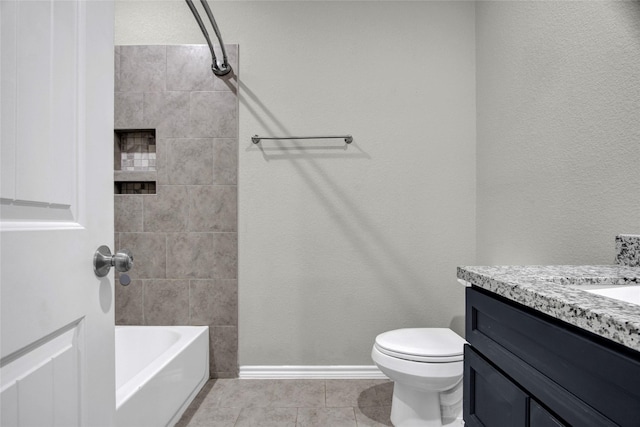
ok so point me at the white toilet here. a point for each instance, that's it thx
(426, 367)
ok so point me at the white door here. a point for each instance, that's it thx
(56, 190)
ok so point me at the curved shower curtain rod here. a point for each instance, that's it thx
(218, 69)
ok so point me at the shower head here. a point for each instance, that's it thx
(221, 69)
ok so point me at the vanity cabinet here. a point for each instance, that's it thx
(525, 368)
(498, 401)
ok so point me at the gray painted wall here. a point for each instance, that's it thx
(335, 245)
(558, 130)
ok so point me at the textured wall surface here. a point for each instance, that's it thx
(558, 130)
(339, 244)
(184, 238)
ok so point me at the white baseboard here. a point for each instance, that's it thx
(311, 372)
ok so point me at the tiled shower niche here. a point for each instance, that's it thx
(135, 151)
(134, 161)
(134, 187)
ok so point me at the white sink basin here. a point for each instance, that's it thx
(629, 294)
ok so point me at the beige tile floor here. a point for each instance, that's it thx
(294, 403)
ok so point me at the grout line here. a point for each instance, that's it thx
(235, 423)
(187, 232)
(166, 254)
(189, 197)
(143, 284)
(325, 393)
(166, 61)
(187, 184)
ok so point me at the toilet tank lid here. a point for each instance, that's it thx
(438, 342)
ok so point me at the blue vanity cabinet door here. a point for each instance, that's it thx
(539, 417)
(490, 398)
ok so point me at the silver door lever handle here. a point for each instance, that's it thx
(103, 261)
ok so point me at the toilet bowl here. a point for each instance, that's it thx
(426, 365)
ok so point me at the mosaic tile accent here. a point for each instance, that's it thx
(137, 151)
(555, 290)
(628, 250)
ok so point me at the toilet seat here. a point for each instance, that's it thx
(430, 345)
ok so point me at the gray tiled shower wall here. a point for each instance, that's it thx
(184, 237)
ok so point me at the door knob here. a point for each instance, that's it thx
(103, 261)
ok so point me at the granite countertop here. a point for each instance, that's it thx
(556, 291)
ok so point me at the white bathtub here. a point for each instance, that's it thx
(159, 370)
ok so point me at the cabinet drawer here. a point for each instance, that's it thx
(577, 376)
(490, 398)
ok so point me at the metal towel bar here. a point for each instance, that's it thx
(347, 138)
